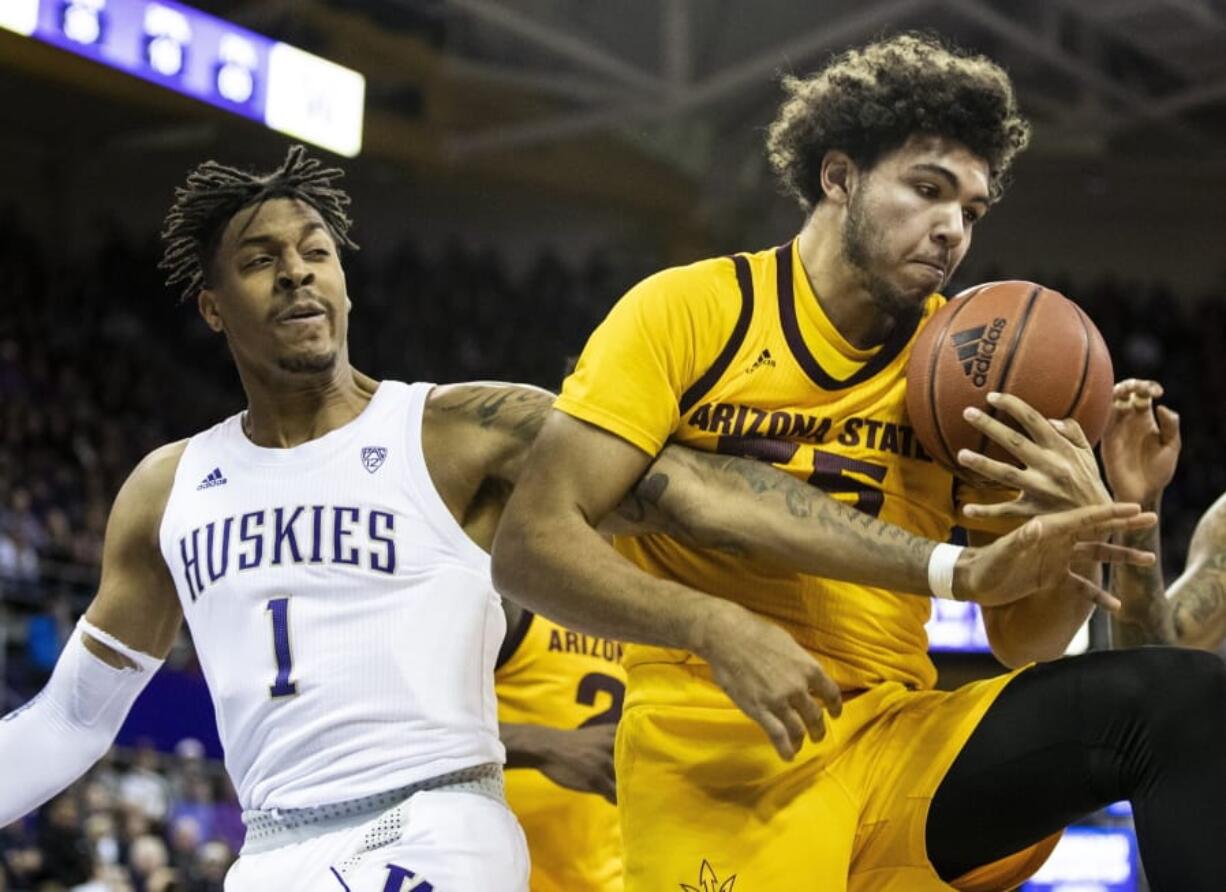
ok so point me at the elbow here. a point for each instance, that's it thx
(1014, 647)
(1013, 657)
(508, 556)
(520, 554)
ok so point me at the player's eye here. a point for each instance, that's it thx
(970, 216)
(318, 252)
(927, 190)
(256, 262)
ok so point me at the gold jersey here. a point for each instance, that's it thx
(735, 355)
(549, 675)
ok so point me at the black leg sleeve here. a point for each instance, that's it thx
(1068, 738)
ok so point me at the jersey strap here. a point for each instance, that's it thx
(515, 637)
(700, 388)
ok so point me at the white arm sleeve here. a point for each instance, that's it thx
(56, 737)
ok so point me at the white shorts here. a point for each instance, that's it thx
(440, 840)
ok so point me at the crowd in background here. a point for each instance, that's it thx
(99, 364)
(139, 821)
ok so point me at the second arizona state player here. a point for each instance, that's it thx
(569, 687)
(796, 356)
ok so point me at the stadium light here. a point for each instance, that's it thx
(199, 55)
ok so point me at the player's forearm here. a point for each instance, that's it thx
(528, 746)
(1146, 616)
(749, 508)
(1039, 628)
(42, 754)
(55, 738)
(557, 565)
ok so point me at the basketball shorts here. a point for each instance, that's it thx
(435, 841)
(573, 838)
(704, 798)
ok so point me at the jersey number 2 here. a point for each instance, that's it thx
(592, 684)
(283, 686)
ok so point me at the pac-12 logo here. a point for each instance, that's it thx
(372, 457)
(709, 882)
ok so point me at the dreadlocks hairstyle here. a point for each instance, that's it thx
(868, 101)
(214, 193)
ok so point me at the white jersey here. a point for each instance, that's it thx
(346, 625)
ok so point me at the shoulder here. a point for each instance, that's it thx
(704, 285)
(142, 499)
(516, 410)
(155, 474)
(679, 317)
(483, 428)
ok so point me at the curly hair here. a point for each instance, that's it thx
(868, 101)
(214, 193)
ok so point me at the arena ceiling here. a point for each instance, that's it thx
(645, 101)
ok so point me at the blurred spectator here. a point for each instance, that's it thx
(46, 633)
(67, 857)
(144, 788)
(89, 840)
(209, 871)
(148, 859)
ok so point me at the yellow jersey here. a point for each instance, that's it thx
(549, 675)
(735, 355)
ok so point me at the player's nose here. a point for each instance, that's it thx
(949, 229)
(293, 273)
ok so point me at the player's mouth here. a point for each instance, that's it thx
(932, 270)
(936, 265)
(302, 314)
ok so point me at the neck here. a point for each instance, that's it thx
(289, 410)
(841, 288)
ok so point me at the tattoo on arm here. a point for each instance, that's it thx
(646, 494)
(722, 478)
(1146, 616)
(1201, 601)
(519, 411)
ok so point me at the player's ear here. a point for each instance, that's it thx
(838, 176)
(206, 302)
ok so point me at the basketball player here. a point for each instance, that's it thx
(327, 549)
(560, 695)
(795, 355)
(1140, 451)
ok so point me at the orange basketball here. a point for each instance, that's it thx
(1012, 337)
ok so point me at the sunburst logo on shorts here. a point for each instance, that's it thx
(709, 882)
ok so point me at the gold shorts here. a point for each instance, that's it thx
(704, 797)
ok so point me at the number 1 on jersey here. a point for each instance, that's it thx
(283, 686)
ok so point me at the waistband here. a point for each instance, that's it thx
(277, 827)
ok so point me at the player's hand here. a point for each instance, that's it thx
(1141, 446)
(773, 680)
(581, 759)
(1038, 556)
(1058, 470)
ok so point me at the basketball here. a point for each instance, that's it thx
(1013, 337)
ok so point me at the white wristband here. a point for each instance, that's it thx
(941, 570)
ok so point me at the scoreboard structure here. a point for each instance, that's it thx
(208, 59)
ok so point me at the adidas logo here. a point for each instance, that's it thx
(975, 348)
(764, 359)
(214, 478)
